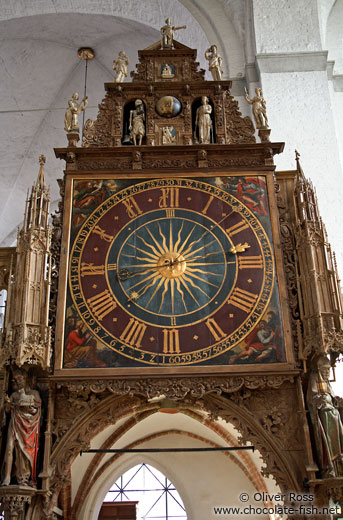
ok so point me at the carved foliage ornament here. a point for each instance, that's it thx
(238, 129)
(180, 388)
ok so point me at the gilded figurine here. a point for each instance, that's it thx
(203, 121)
(168, 136)
(258, 108)
(73, 110)
(167, 72)
(23, 433)
(326, 419)
(167, 32)
(137, 119)
(120, 65)
(214, 62)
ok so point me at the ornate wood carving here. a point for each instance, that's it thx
(321, 309)
(252, 428)
(28, 336)
(57, 224)
(238, 129)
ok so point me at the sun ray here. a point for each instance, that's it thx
(194, 243)
(188, 290)
(151, 263)
(172, 293)
(178, 286)
(155, 291)
(171, 247)
(144, 289)
(142, 251)
(178, 238)
(149, 245)
(186, 240)
(199, 248)
(204, 256)
(155, 241)
(164, 240)
(166, 284)
(199, 264)
(153, 275)
(185, 278)
(190, 270)
(201, 279)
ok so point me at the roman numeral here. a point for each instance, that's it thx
(215, 330)
(91, 269)
(169, 198)
(242, 299)
(209, 202)
(111, 267)
(133, 333)
(101, 232)
(250, 262)
(132, 208)
(171, 343)
(170, 212)
(101, 304)
(237, 228)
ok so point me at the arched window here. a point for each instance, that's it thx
(156, 495)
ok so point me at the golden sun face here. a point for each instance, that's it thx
(175, 264)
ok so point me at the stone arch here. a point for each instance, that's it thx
(333, 35)
(132, 410)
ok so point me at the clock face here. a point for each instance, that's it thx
(171, 271)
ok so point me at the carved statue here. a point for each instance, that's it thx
(258, 108)
(120, 65)
(214, 62)
(75, 108)
(23, 432)
(203, 121)
(137, 118)
(326, 420)
(167, 32)
(167, 135)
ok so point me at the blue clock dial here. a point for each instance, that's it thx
(177, 266)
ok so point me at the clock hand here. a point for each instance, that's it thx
(239, 248)
(124, 274)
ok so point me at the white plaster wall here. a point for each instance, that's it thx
(337, 108)
(286, 26)
(299, 111)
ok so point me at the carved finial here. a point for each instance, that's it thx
(299, 168)
(42, 159)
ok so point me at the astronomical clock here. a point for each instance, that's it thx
(170, 245)
(181, 274)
